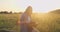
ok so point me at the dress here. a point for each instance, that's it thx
(24, 18)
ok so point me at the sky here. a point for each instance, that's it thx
(37, 5)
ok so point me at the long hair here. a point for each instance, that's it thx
(28, 11)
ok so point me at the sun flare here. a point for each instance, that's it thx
(41, 11)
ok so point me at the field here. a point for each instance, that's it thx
(48, 22)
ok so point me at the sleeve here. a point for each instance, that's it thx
(22, 18)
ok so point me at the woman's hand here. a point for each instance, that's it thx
(33, 24)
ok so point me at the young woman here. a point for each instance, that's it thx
(26, 24)
(25, 20)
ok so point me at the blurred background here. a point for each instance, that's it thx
(46, 13)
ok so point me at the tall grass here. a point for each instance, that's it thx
(46, 22)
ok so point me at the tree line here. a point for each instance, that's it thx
(6, 12)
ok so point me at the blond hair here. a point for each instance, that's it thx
(28, 11)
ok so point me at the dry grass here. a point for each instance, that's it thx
(46, 22)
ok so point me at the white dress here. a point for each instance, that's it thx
(23, 27)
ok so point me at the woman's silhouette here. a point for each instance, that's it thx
(26, 23)
(25, 20)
